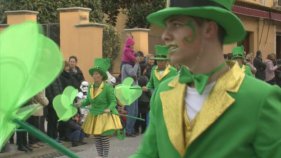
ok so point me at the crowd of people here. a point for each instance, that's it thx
(98, 107)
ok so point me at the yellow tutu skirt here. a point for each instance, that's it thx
(98, 125)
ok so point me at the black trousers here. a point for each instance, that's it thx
(52, 126)
(143, 111)
(21, 138)
(34, 121)
(62, 130)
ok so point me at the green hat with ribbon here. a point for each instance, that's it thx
(238, 52)
(101, 65)
(162, 52)
(215, 10)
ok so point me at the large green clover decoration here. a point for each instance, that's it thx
(29, 62)
(63, 104)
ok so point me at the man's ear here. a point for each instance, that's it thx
(210, 30)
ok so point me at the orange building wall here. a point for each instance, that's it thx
(80, 38)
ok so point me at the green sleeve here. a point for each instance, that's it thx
(150, 84)
(148, 146)
(267, 142)
(86, 101)
(248, 70)
(111, 97)
(174, 72)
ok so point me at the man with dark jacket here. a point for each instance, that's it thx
(51, 92)
(260, 66)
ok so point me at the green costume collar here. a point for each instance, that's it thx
(200, 80)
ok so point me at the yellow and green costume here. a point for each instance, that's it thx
(157, 76)
(238, 53)
(100, 98)
(231, 123)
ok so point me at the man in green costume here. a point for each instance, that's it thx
(239, 56)
(162, 71)
(211, 109)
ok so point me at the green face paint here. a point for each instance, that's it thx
(190, 24)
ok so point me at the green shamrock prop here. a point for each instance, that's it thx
(29, 62)
(63, 104)
(8, 128)
(127, 93)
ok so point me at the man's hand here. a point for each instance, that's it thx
(78, 103)
(144, 89)
(138, 60)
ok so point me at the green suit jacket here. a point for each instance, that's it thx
(104, 98)
(156, 78)
(241, 118)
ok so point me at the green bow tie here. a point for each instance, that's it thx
(200, 80)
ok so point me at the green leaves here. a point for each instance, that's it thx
(63, 104)
(29, 62)
(126, 93)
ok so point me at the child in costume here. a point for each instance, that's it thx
(211, 109)
(102, 120)
(82, 94)
(162, 71)
(128, 56)
(239, 56)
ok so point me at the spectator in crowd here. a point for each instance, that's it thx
(142, 60)
(131, 70)
(37, 119)
(21, 135)
(260, 66)
(143, 105)
(128, 56)
(52, 91)
(75, 70)
(67, 79)
(74, 131)
(150, 64)
(270, 69)
(249, 62)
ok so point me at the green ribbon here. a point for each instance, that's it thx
(200, 80)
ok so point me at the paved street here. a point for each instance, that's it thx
(118, 149)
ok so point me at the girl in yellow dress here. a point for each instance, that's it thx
(102, 120)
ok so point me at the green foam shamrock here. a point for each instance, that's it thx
(63, 104)
(127, 93)
(29, 62)
(22, 114)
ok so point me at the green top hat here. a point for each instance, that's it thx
(101, 65)
(238, 52)
(161, 52)
(216, 10)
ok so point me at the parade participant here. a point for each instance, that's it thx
(239, 56)
(162, 71)
(102, 120)
(211, 109)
